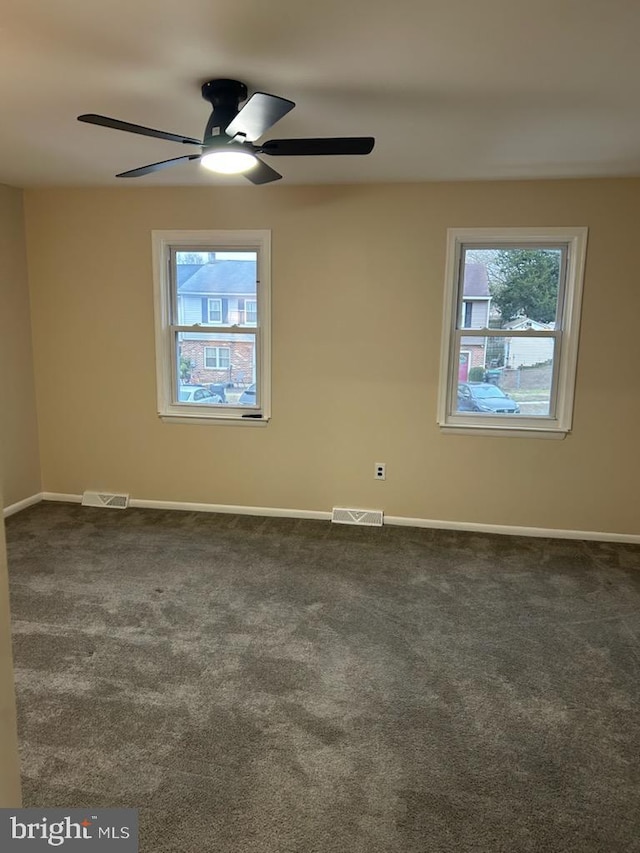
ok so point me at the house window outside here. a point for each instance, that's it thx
(217, 358)
(214, 351)
(519, 290)
(250, 312)
(214, 311)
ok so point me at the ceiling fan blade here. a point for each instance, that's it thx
(262, 174)
(155, 167)
(116, 124)
(301, 147)
(260, 113)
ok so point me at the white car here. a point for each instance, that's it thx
(198, 394)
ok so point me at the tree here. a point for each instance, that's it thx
(185, 369)
(193, 257)
(527, 284)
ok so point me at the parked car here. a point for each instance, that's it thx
(198, 394)
(248, 396)
(485, 397)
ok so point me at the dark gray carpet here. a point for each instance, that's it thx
(278, 686)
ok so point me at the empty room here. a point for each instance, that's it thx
(319, 462)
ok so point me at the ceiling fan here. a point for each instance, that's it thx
(229, 137)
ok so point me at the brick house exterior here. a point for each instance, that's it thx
(218, 292)
(239, 373)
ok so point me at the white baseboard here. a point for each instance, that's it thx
(396, 520)
(59, 496)
(187, 506)
(229, 508)
(513, 530)
(12, 509)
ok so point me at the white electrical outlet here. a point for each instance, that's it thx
(380, 470)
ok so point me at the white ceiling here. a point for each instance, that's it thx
(451, 89)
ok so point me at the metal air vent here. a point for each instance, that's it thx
(367, 517)
(105, 499)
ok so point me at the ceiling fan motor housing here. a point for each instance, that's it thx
(225, 97)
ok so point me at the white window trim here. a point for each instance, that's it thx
(565, 363)
(250, 240)
(210, 301)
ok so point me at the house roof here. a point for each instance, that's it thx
(185, 271)
(476, 280)
(526, 323)
(219, 277)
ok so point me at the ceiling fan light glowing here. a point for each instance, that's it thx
(228, 162)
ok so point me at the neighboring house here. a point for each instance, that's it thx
(219, 292)
(476, 301)
(525, 352)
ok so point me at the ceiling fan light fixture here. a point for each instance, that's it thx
(228, 161)
(228, 145)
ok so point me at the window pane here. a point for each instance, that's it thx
(509, 286)
(214, 288)
(223, 364)
(507, 376)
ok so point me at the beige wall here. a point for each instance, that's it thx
(19, 455)
(357, 305)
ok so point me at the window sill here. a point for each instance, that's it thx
(506, 432)
(218, 421)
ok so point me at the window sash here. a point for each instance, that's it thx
(561, 246)
(217, 330)
(181, 245)
(174, 346)
(461, 331)
(459, 334)
(210, 328)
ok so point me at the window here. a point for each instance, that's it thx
(217, 358)
(251, 312)
(206, 357)
(518, 291)
(215, 310)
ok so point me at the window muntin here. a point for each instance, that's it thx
(203, 281)
(524, 286)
